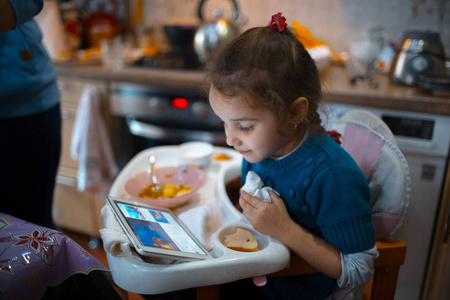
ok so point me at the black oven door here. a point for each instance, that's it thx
(134, 135)
(146, 116)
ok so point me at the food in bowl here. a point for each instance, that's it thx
(193, 177)
(169, 190)
(242, 240)
(222, 156)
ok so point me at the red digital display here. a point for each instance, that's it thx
(180, 103)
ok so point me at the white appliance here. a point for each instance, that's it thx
(424, 139)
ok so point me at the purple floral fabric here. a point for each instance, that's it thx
(33, 258)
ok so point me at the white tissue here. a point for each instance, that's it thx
(255, 187)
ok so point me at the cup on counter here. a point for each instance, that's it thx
(112, 53)
(195, 154)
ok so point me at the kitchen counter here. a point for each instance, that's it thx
(336, 87)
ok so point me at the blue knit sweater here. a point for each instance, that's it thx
(324, 191)
(27, 77)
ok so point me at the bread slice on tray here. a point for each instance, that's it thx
(242, 240)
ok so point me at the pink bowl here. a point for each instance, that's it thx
(193, 177)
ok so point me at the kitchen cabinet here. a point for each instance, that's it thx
(72, 209)
(437, 286)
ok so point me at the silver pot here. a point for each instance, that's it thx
(210, 36)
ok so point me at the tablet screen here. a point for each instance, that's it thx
(157, 229)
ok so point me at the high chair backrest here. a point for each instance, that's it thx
(372, 145)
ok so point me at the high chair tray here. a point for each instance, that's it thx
(133, 274)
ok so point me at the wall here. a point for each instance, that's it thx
(333, 21)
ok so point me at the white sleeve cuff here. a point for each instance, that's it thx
(357, 268)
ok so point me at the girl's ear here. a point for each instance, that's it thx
(298, 110)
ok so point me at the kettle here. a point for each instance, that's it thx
(210, 36)
(421, 53)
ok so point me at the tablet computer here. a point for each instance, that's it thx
(156, 231)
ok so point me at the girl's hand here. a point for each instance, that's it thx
(273, 219)
(268, 218)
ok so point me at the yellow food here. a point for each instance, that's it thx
(169, 190)
(222, 156)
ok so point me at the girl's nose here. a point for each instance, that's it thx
(229, 141)
(232, 140)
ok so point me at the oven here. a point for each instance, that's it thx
(146, 115)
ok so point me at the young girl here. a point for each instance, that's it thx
(266, 89)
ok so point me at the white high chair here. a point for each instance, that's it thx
(372, 145)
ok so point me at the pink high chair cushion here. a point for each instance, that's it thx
(364, 148)
(384, 224)
(385, 168)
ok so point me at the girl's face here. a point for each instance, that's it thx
(252, 131)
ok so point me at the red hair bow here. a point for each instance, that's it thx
(278, 23)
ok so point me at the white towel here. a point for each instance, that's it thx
(115, 241)
(196, 220)
(255, 187)
(91, 145)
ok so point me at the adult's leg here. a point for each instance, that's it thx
(30, 149)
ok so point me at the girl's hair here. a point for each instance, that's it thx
(273, 69)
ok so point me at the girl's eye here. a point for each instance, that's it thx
(244, 128)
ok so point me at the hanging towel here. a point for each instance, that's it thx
(91, 146)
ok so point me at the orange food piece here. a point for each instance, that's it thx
(222, 156)
(168, 190)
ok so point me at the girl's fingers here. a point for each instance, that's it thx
(248, 200)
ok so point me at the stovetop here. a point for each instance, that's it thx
(173, 60)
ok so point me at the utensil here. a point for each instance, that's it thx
(210, 36)
(421, 53)
(155, 189)
(180, 33)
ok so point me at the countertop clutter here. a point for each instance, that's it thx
(336, 86)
